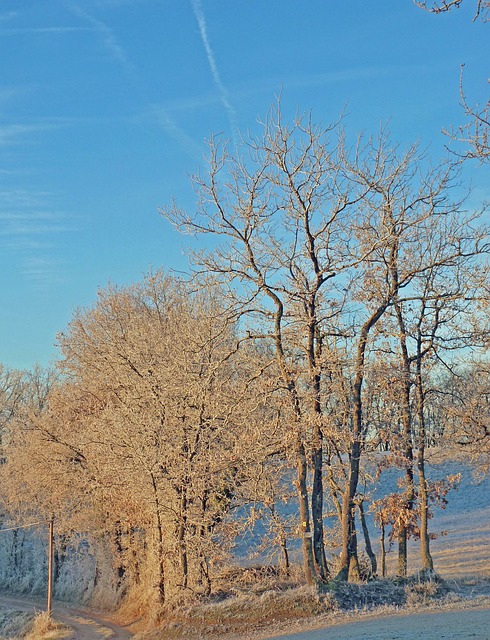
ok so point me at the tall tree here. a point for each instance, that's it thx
(440, 264)
(408, 227)
(316, 243)
(280, 217)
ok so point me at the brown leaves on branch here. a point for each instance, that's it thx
(393, 511)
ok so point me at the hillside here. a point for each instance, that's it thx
(462, 546)
(255, 599)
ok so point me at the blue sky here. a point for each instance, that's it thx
(105, 107)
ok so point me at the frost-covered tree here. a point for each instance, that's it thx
(317, 243)
(142, 441)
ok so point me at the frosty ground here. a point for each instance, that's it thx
(260, 610)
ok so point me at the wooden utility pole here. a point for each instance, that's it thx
(50, 565)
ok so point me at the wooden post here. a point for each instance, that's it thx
(383, 552)
(50, 566)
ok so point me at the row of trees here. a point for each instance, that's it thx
(140, 439)
(336, 256)
(339, 309)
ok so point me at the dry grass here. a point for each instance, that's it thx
(263, 613)
(237, 614)
(45, 628)
(356, 597)
(424, 593)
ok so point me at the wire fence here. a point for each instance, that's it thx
(24, 526)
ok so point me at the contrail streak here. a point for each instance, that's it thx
(107, 36)
(225, 100)
(185, 141)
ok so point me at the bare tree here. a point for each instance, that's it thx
(282, 218)
(442, 6)
(317, 243)
(12, 387)
(278, 216)
(465, 400)
(444, 255)
(474, 134)
(409, 227)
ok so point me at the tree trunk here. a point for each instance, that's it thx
(407, 436)
(409, 504)
(304, 513)
(314, 354)
(383, 552)
(402, 553)
(367, 540)
(159, 548)
(181, 530)
(317, 508)
(425, 555)
(299, 447)
(285, 555)
(203, 577)
(119, 552)
(160, 557)
(349, 537)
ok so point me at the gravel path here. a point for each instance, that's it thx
(86, 625)
(469, 624)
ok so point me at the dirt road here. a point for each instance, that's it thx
(469, 624)
(85, 624)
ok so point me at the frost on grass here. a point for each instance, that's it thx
(14, 624)
(299, 602)
(21, 624)
(45, 628)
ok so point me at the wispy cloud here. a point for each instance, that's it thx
(29, 229)
(10, 133)
(190, 103)
(31, 225)
(42, 272)
(342, 75)
(15, 199)
(18, 226)
(10, 93)
(118, 3)
(107, 36)
(186, 142)
(275, 84)
(8, 15)
(223, 91)
(15, 31)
